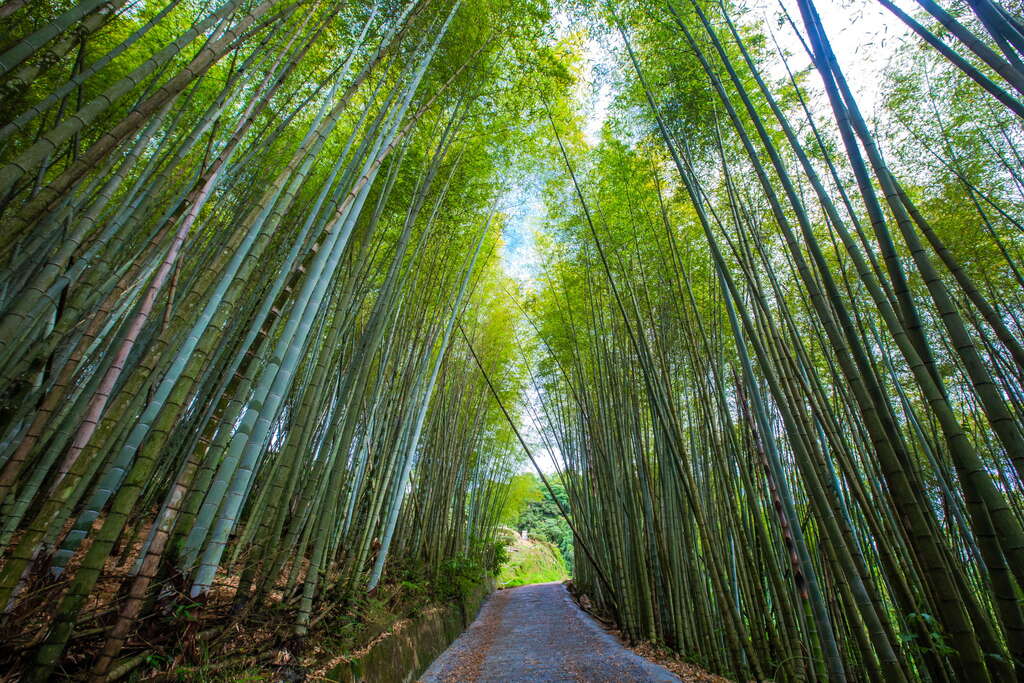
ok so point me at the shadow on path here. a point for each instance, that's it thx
(538, 634)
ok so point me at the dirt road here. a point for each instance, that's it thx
(538, 634)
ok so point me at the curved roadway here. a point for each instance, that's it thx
(538, 634)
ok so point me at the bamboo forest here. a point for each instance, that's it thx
(305, 305)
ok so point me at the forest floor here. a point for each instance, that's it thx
(538, 633)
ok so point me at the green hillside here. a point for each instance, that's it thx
(531, 561)
(530, 507)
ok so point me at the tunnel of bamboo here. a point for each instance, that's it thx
(265, 363)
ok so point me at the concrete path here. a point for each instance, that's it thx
(538, 634)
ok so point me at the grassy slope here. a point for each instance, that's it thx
(532, 561)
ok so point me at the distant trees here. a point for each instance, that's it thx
(541, 518)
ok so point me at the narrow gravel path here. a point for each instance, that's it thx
(538, 634)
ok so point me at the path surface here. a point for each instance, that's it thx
(538, 634)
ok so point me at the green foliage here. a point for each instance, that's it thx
(936, 640)
(457, 576)
(542, 519)
(185, 611)
(523, 489)
(532, 561)
(497, 557)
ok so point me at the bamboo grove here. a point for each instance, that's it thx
(781, 354)
(260, 356)
(237, 239)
